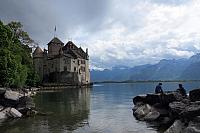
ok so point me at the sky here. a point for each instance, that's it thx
(116, 32)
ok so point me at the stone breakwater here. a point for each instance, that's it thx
(15, 104)
(171, 108)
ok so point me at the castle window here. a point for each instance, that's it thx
(79, 71)
(82, 61)
(74, 69)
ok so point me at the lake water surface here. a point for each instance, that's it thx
(105, 108)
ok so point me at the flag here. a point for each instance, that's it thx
(55, 29)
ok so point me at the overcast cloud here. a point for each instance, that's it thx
(117, 32)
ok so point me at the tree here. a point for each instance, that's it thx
(16, 67)
(23, 36)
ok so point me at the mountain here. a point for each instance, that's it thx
(164, 70)
(192, 72)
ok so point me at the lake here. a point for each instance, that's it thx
(105, 108)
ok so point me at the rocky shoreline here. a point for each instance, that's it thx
(179, 113)
(16, 104)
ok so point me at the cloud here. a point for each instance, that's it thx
(128, 32)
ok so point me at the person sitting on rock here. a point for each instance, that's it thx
(159, 88)
(181, 90)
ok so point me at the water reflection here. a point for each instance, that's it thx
(106, 108)
(68, 110)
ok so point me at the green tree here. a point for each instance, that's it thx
(16, 67)
(18, 32)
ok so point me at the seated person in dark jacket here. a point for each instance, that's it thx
(159, 88)
(181, 90)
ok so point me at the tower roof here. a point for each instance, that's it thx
(38, 52)
(70, 45)
(55, 40)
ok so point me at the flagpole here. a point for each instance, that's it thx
(55, 31)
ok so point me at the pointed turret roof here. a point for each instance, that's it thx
(55, 40)
(38, 52)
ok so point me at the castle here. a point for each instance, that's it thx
(62, 63)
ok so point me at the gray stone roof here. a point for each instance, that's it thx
(76, 52)
(55, 40)
(38, 50)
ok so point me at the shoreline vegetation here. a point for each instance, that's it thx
(16, 64)
(143, 81)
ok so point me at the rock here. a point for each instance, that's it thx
(26, 102)
(153, 99)
(6, 112)
(3, 115)
(191, 129)
(2, 91)
(185, 110)
(15, 113)
(139, 104)
(1, 108)
(177, 127)
(192, 110)
(9, 112)
(139, 99)
(163, 99)
(165, 120)
(12, 95)
(151, 116)
(163, 111)
(194, 95)
(25, 105)
(31, 113)
(176, 108)
(142, 111)
(193, 126)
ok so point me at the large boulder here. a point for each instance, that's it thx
(26, 102)
(185, 110)
(142, 111)
(191, 110)
(3, 115)
(153, 98)
(176, 108)
(26, 105)
(194, 95)
(152, 116)
(162, 110)
(163, 99)
(12, 95)
(15, 113)
(193, 126)
(177, 127)
(139, 99)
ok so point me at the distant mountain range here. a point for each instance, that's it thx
(180, 69)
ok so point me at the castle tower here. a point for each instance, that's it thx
(54, 46)
(38, 57)
(87, 72)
